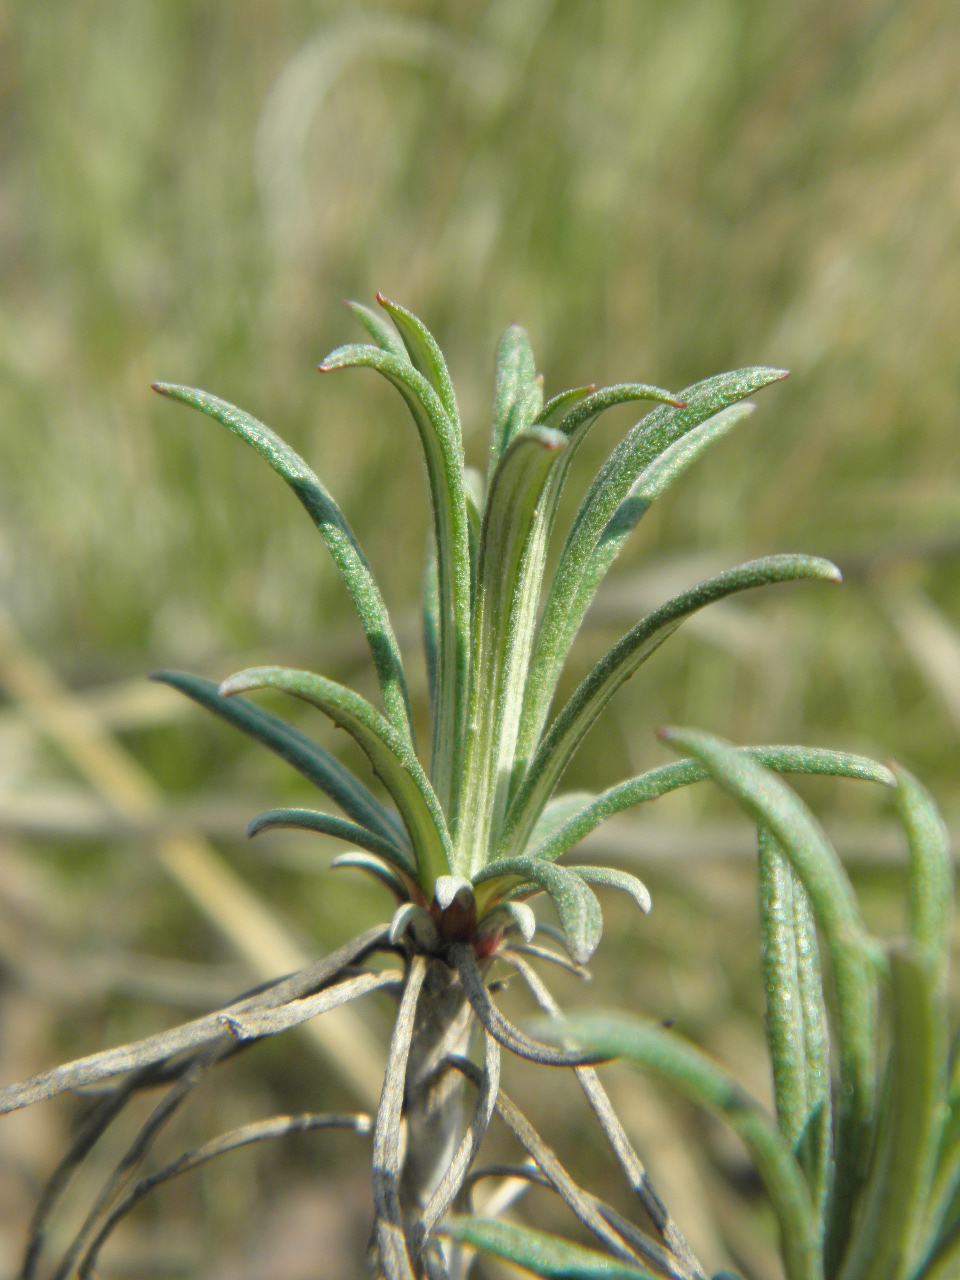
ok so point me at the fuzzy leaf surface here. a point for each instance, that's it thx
(329, 825)
(619, 664)
(306, 756)
(425, 355)
(576, 904)
(393, 761)
(336, 533)
(671, 1059)
(380, 330)
(443, 451)
(612, 878)
(515, 369)
(515, 491)
(539, 1253)
(571, 591)
(552, 838)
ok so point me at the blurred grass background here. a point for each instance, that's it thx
(658, 191)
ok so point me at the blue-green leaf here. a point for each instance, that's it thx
(855, 957)
(611, 878)
(317, 765)
(328, 825)
(592, 694)
(425, 355)
(336, 533)
(380, 330)
(576, 904)
(392, 759)
(585, 556)
(514, 493)
(515, 370)
(443, 451)
(355, 860)
(680, 1064)
(577, 816)
(931, 868)
(537, 1252)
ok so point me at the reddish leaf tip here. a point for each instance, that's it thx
(381, 299)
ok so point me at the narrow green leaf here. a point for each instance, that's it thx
(515, 491)
(890, 1217)
(585, 556)
(523, 415)
(574, 425)
(391, 757)
(309, 759)
(556, 408)
(380, 330)
(336, 533)
(854, 956)
(618, 665)
(653, 481)
(537, 1252)
(357, 861)
(549, 840)
(443, 451)
(515, 370)
(686, 1068)
(474, 488)
(328, 825)
(431, 625)
(611, 878)
(576, 904)
(931, 868)
(815, 1151)
(796, 1018)
(425, 355)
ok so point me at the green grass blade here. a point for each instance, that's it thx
(380, 330)
(309, 759)
(669, 1058)
(796, 1018)
(329, 825)
(854, 956)
(515, 369)
(576, 904)
(425, 356)
(931, 869)
(443, 451)
(336, 533)
(891, 1215)
(550, 839)
(571, 591)
(618, 665)
(495, 699)
(537, 1252)
(611, 878)
(393, 761)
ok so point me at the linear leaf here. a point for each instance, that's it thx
(523, 415)
(512, 500)
(571, 592)
(576, 904)
(443, 451)
(556, 408)
(392, 759)
(515, 369)
(355, 860)
(890, 1217)
(328, 825)
(796, 1019)
(854, 956)
(306, 756)
(431, 624)
(336, 533)
(537, 1252)
(931, 868)
(380, 330)
(611, 878)
(676, 1062)
(578, 823)
(425, 355)
(618, 665)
